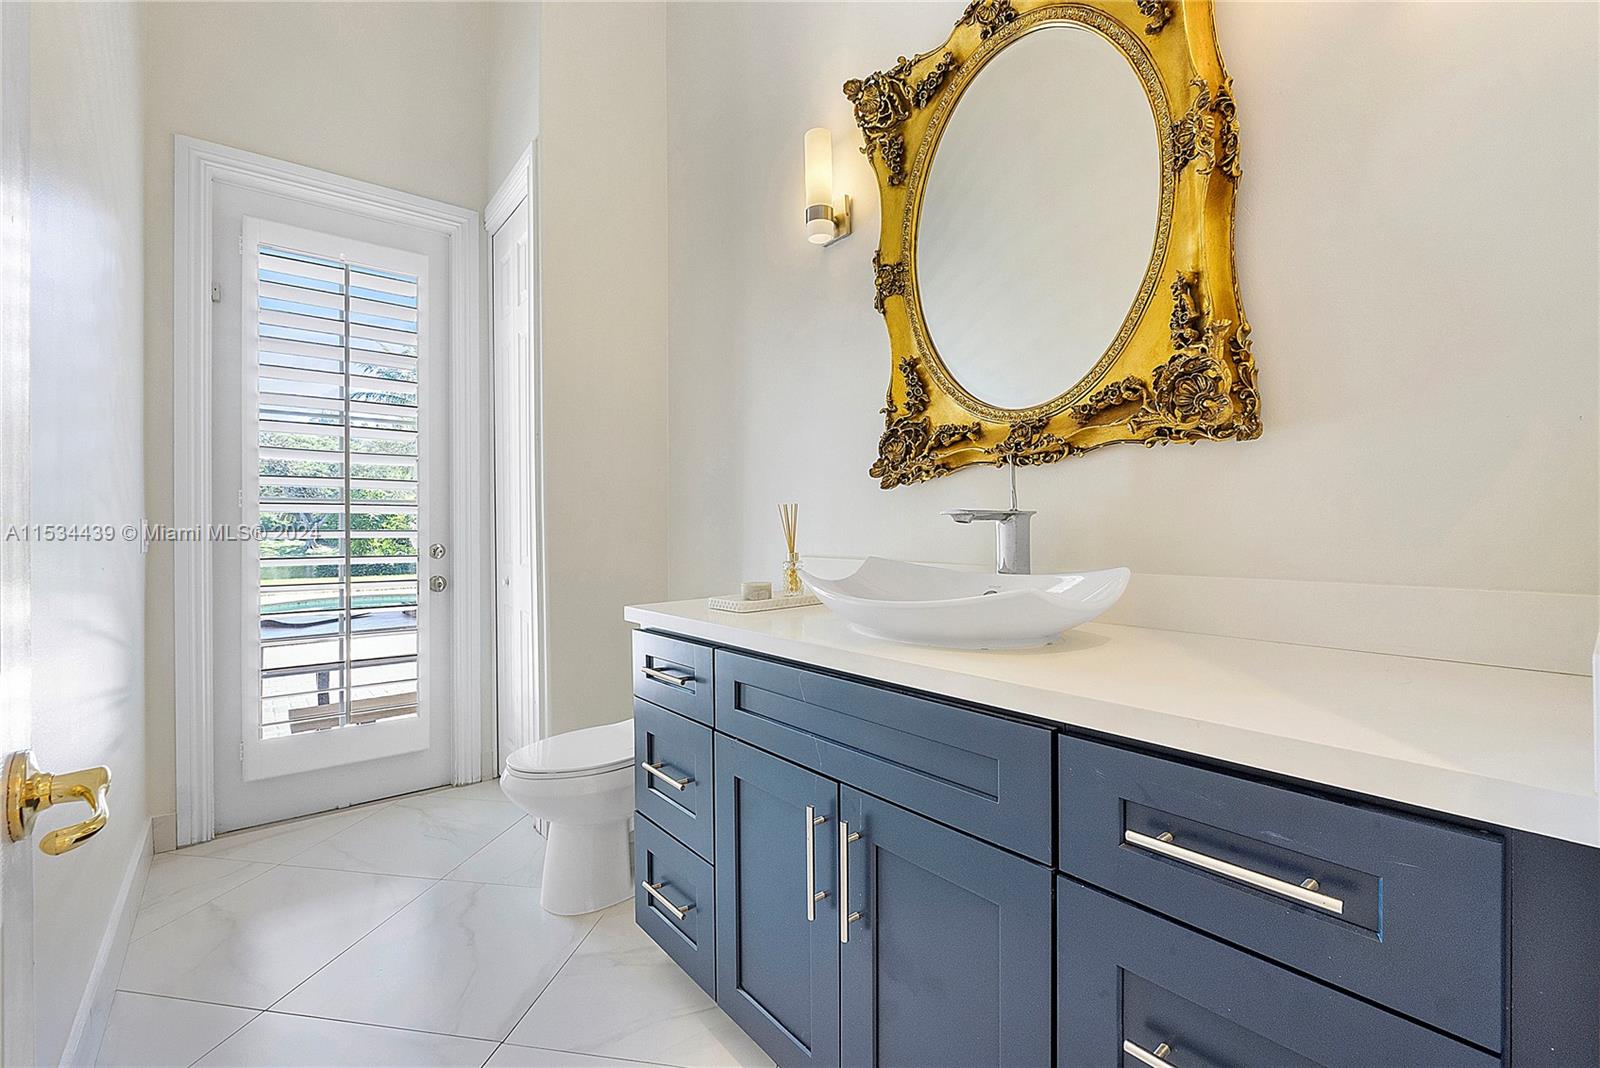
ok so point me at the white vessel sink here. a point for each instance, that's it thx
(926, 605)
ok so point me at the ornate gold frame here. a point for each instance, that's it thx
(1179, 369)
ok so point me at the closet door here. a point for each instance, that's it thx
(777, 942)
(948, 959)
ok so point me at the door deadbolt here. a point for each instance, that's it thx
(437, 584)
(436, 550)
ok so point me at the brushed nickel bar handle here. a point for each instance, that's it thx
(846, 917)
(654, 890)
(668, 677)
(1156, 1058)
(813, 895)
(1305, 893)
(655, 769)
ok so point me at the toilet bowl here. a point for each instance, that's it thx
(581, 783)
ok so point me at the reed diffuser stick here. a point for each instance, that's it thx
(789, 516)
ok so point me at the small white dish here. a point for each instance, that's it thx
(923, 605)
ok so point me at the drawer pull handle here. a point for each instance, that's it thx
(671, 678)
(655, 769)
(1156, 1058)
(1306, 893)
(813, 895)
(654, 890)
(846, 917)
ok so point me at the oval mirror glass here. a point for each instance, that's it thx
(1039, 218)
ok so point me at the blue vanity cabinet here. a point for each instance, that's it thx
(777, 958)
(948, 959)
(1014, 895)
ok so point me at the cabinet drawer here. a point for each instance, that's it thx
(1404, 911)
(673, 673)
(1129, 980)
(672, 781)
(673, 880)
(979, 773)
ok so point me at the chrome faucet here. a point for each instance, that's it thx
(1012, 548)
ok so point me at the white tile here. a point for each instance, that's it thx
(463, 959)
(652, 1011)
(279, 841)
(516, 858)
(181, 883)
(150, 1032)
(423, 835)
(253, 944)
(295, 1041)
(509, 1056)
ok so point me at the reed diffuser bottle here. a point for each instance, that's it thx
(789, 515)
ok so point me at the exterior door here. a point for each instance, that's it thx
(950, 959)
(330, 380)
(777, 958)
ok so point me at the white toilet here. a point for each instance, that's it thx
(581, 782)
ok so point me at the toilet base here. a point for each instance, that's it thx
(586, 868)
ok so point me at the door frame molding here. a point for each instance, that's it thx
(198, 167)
(514, 189)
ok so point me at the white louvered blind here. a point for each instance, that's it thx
(336, 483)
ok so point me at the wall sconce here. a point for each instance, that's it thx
(825, 223)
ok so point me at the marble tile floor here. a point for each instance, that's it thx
(402, 933)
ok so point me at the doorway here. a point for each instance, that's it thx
(338, 565)
(519, 628)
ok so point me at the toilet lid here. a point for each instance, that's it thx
(582, 752)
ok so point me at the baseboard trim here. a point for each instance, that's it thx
(89, 1024)
(164, 829)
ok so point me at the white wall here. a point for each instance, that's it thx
(512, 105)
(386, 93)
(603, 306)
(87, 377)
(1416, 245)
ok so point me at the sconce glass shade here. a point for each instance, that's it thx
(820, 226)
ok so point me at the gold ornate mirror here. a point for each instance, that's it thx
(1056, 261)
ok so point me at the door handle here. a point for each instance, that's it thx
(846, 917)
(813, 895)
(30, 791)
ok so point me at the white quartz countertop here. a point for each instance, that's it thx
(1500, 745)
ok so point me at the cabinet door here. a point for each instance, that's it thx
(949, 958)
(777, 960)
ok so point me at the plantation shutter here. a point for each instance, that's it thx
(335, 491)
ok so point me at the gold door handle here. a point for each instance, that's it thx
(30, 791)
